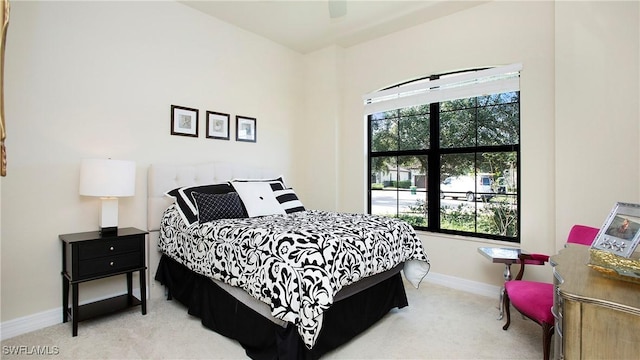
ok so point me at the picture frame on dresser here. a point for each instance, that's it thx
(217, 125)
(246, 128)
(620, 233)
(184, 121)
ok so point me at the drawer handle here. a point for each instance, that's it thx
(111, 263)
(111, 248)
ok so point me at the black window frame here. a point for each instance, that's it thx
(433, 153)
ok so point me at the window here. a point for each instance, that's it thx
(444, 153)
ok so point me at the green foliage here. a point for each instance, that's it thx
(497, 218)
(377, 186)
(404, 184)
(500, 218)
(420, 207)
(481, 121)
(460, 219)
(413, 220)
(402, 129)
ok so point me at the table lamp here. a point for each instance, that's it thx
(108, 179)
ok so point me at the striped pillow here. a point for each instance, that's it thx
(289, 200)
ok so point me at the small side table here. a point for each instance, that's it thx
(90, 256)
(506, 256)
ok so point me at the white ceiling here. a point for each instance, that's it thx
(305, 25)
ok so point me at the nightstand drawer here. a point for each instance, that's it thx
(94, 249)
(109, 264)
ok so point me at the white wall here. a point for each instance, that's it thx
(563, 175)
(317, 137)
(597, 109)
(97, 79)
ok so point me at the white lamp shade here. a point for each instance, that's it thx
(107, 178)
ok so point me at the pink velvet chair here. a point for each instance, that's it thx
(535, 299)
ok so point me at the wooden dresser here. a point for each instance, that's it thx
(596, 317)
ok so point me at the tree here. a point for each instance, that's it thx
(481, 121)
(475, 135)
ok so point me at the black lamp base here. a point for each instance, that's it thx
(109, 231)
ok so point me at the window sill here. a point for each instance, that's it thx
(467, 238)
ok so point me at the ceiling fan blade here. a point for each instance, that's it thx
(337, 8)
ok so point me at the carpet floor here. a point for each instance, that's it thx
(439, 323)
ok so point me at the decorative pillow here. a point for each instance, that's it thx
(289, 200)
(186, 206)
(415, 271)
(276, 184)
(218, 206)
(258, 198)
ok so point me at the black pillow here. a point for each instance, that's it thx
(218, 206)
(185, 202)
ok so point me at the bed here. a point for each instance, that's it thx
(271, 276)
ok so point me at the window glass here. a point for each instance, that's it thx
(464, 153)
(384, 132)
(399, 188)
(413, 131)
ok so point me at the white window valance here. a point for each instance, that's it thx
(456, 86)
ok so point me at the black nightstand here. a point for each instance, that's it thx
(89, 256)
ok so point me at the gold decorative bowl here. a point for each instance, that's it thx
(615, 267)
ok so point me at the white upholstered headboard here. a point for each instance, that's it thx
(164, 177)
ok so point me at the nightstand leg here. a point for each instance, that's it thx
(143, 292)
(130, 288)
(65, 299)
(74, 308)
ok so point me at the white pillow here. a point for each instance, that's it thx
(415, 271)
(258, 198)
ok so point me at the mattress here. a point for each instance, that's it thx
(264, 309)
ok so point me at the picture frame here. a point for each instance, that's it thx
(217, 125)
(246, 128)
(620, 233)
(184, 121)
(5, 10)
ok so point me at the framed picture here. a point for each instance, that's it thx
(184, 121)
(245, 129)
(217, 125)
(620, 233)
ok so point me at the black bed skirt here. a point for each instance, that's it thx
(263, 339)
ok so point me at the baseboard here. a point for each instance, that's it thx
(29, 323)
(461, 284)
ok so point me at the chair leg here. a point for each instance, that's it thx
(547, 333)
(506, 307)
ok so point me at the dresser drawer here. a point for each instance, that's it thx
(109, 264)
(94, 249)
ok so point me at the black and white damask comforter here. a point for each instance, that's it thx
(295, 263)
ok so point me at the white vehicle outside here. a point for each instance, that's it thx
(465, 187)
